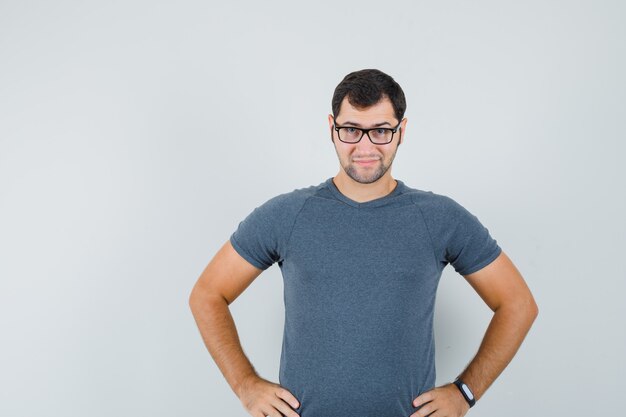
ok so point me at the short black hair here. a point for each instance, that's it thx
(367, 87)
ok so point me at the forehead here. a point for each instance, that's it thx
(379, 112)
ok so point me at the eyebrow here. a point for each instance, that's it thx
(359, 125)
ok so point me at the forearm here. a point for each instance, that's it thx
(505, 333)
(219, 333)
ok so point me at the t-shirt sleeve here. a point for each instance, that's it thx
(460, 238)
(261, 237)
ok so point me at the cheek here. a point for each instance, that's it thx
(343, 148)
(391, 152)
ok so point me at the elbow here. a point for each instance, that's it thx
(193, 300)
(196, 298)
(524, 308)
(528, 309)
(200, 298)
(534, 310)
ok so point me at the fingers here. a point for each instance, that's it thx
(441, 401)
(288, 397)
(426, 401)
(263, 398)
(425, 410)
(284, 408)
(424, 398)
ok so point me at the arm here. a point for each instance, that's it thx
(223, 280)
(504, 290)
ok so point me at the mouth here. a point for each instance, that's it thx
(365, 161)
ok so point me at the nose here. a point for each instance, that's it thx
(366, 147)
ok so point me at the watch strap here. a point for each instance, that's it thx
(466, 392)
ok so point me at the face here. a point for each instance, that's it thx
(364, 161)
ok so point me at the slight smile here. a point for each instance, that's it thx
(365, 161)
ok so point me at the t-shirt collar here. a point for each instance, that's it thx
(399, 189)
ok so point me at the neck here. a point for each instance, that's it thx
(362, 193)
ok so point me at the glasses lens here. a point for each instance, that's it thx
(350, 134)
(381, 135)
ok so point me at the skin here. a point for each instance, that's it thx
(499, 284)
(365, 182)
(503, 289)
(226, 276)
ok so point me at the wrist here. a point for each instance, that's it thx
(242, 382)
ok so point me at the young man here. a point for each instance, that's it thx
(361, 255)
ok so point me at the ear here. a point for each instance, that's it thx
(331, 122)
(402, 131)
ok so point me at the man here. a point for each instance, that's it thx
(361, 255)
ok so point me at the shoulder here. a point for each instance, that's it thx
(282, 209)
(290, 201)
(439, 211)
(431, 202)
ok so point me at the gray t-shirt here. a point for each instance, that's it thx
(359, 289)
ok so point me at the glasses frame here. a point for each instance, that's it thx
(366, 132)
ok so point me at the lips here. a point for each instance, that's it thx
(365, 161)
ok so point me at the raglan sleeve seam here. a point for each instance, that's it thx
(293, 226)
(430, 237)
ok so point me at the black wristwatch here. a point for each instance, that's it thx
(467, 393)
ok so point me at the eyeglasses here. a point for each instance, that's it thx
(376, 135)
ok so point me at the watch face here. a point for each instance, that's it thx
(467, 391)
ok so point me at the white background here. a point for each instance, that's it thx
(135, 135)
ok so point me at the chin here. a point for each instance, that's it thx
(366, 180)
